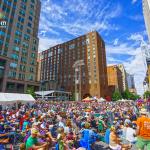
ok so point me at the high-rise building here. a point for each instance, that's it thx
(115, 79)
(58, 66)
(146, 11)
(131, 83)
(19, 22)
(124, 76)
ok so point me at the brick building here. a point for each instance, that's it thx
(115, 79)
(57, 63)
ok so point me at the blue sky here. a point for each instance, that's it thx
(119, 22)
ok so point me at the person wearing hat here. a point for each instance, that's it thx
(32, 141)
(143, 130)
(115, 141)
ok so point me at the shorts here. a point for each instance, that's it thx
(142, 143)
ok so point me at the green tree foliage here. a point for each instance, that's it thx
(146, 94)
(30, 90)
(73, 97)
(116, 96)
(130, 96)
(126, 94)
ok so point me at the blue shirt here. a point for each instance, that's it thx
(106, 138)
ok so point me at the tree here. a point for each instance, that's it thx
(116, 96)
(73, 97)
(126, 94)
(146, 94)
(30, 90)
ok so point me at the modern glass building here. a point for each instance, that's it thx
(19, 22)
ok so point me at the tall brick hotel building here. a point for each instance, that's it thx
(57, 66)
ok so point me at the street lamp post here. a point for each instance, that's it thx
(77, 65)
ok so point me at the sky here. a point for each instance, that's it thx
(119, 22)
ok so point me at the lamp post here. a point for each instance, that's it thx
(77, 65)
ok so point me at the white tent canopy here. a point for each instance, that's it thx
(15, 97)
(101, 100)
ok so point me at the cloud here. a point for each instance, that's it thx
(135, 63)
(136, 17)
(138, 69)
(78, 17)
(136, 37)
(116, 41)
(134, 1)
(45, 43)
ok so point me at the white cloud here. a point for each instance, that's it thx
(116, 41)
(78, 16)
(136, 37)
(138, 69)
(134, 1)
(45, 43)
(136, 17)
(135, 64)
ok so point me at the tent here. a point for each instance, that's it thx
(140, 101)
(9, 98)
(101, 100)
(87, 99)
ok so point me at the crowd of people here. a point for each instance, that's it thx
(75, 125)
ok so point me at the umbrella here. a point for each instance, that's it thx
(140, 101)
(101, 100)
(87, 99)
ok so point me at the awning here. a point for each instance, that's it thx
(15, 97)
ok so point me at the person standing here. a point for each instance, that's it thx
(143, 130)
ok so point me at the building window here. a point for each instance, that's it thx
(12, 74)
(32, 6)
(21, 76)
(87, 41)
(29, 25)
(33, 55)
(30, 77)
(13, 65)
(26, 37)
(24, 52)
(24, 1)
(19, 26)
(2, 33)
(31, 69)
(28, 31)
(18, 33)
(23, 6)
(23, 60)
(22, 68)
(33, 1)
(15, 48)
(32, 62)
(17, 41)
(72, 46)
(30, 18)
(14, 56)
(20, 19)
(25, 45)
(22, 12)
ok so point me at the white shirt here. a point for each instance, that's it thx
(130, 134)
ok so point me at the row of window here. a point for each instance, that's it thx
(23, 59)
(22, 67)
(13, 74)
